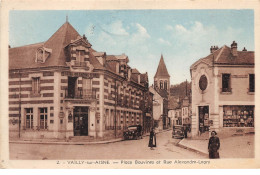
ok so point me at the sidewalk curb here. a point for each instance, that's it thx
(191, 149)
(75, 143)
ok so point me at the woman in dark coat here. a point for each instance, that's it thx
(152, 140)
(213, 146)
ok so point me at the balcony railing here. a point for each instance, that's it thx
(81, 94)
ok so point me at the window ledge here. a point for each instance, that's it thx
(251, 93)
(226, 93)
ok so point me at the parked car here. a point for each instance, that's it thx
(178, 131)
(133, 132)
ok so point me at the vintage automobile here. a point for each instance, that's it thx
(178, 131)
(133, 132)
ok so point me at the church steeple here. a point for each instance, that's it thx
(161, 70)
(162, 77)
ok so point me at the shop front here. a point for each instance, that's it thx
(80, 126)
(203, 118)
(238, 116)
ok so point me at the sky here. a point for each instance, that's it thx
(181, 36)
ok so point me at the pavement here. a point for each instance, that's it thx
(230, 147)
(238, 146)
(129, 149)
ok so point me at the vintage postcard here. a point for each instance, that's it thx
(129, 84)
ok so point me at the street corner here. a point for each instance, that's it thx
(194, 145)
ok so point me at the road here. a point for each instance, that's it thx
(130, 149)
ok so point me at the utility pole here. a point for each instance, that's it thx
(19, 104)
(116, 97)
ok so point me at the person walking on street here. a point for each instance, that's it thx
(152, 139)
(213, 146)
(185, 128)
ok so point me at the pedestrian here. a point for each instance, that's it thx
(185, 128)
(152, 139)
(213, 146)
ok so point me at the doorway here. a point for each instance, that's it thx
(203, 119)
(80, 121)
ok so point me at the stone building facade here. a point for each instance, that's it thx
(63, 88)
(223, 88)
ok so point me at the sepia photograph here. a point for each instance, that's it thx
(141, 87)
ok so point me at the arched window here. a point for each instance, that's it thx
(161, 84)
(165, 85)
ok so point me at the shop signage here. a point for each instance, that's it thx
(81, 102)
(79, 74)
(14, 121)
(70, 117)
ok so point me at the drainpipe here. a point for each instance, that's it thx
(116, 95)
(19, 104)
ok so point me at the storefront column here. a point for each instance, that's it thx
(215, 126)
(221, 116)
(195, 122)
(101, 106)
(69, 122)
(92, 118)
(56, 107)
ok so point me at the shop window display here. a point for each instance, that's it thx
(238, 116)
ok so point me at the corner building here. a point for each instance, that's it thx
(63, 88)
(223, 91)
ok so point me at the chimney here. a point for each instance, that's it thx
(84, 37)
(139, 78)
(213, 49)
(244, 49)
(129, 73)
(117, 68)
(234, 49)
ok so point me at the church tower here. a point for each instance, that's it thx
(162, 77)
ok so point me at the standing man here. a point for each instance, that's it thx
(152, 139)
(213, 146)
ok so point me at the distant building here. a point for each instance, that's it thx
(161, 91)
(223, 91)
(162, 77)
(63, 88)
(186, 111)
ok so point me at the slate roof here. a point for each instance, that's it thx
(144, 78)
(162, 70)
(223, 56)
(24, 57)
(135, 71)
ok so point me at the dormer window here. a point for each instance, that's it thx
(80, 54)
(42, 54)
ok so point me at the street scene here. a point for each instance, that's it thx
(166, 149)
(117, 87)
